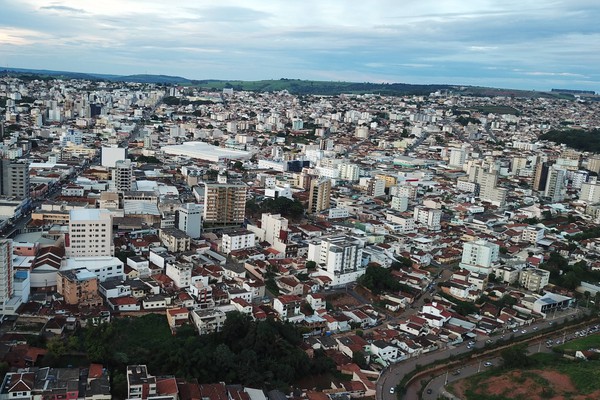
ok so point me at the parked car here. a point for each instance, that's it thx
(392, 390)
(487, 364)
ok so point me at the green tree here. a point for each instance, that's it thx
(516, 357)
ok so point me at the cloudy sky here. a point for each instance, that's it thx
(528, 44)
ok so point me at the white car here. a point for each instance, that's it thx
(487, 364)
(392, 390)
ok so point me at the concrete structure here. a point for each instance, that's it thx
(429, 217)
(556, 184)
(237, 240)
(320, 195)
(205, 151)
(479, 255)
(189, 219)
(90, 233)
(104, 267)
(122, 176)
(224, 203)
(79, 287)
(110, 155)
(590, 192)
(534, 279)
(15, 179)
(338, 257)
(174, 239)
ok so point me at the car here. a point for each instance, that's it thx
(429, 391)
(470, 346)
(524, 331)
(487, 364)
(457, 372)
(472, 343)
(392, 390)
(489, 341)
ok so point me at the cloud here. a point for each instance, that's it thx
(64, 9)
(516, 42)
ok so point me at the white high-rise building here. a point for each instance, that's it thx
(555, 184)
(399, 203)
(457, 157)
(90, 233)
(479, 255)
(338, 257)
(273, 225)
(349, 172)
(190, 219)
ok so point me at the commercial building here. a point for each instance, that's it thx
(205, 151)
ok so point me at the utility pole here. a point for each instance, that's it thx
(446, 380)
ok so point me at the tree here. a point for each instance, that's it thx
(358, 358)
(311, 265)
(238, 165)
(516, 357)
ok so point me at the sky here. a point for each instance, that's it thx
(522, 44)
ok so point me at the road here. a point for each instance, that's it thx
(391, 376)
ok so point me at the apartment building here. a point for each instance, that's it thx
(79, 287)
(90, 233)
(224, 203)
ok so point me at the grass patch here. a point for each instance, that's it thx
(585, 343)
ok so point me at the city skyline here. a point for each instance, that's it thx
(522, 45)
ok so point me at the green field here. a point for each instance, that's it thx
(586, 343)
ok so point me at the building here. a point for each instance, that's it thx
(181, 273)
(541, 176)
(6, 272)
(534, 279)
(376, 187)
(555, 185)
(594, 164)
(15, 179)
(190, 219)
(399, 203)
(429, 217)
(174, 239)
(110, 155)
(479, 255)
(590, 192)
(457, 157)
(140, 385)
(320, 195)
(532, 234)
(288, 307)
(273, 226)
(103, 267)
(79, 287)
(349, 172)
(224, 203)
(122, 176)
(90, 233)
(237, 240)
(338, 257)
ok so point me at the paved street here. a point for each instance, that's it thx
(392, 375)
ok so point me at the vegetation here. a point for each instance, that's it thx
(585, 343)
(259, 354)
(281, 205)
(568, 276)
(378, 280)
(575, 138)
(147, 159)
(464, 121)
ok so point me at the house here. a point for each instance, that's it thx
(316, 301)
(288, 307)
(177, 317)
(383, 352)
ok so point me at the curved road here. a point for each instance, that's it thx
(391, 376)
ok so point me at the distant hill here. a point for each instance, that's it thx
(294, 86)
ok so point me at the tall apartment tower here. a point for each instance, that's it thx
(122, 176)
(90, 233)
(555, 184)
(457, 157)
(15, 178)
(6, 271)
(541, 176)
(224, 203)
(320, 195)
(594, 164)
(190, 219)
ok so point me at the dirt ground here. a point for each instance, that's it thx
(342, 299)
(531, 385)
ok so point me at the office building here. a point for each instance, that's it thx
(320, 195)
(90, 233)
(224, 203)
